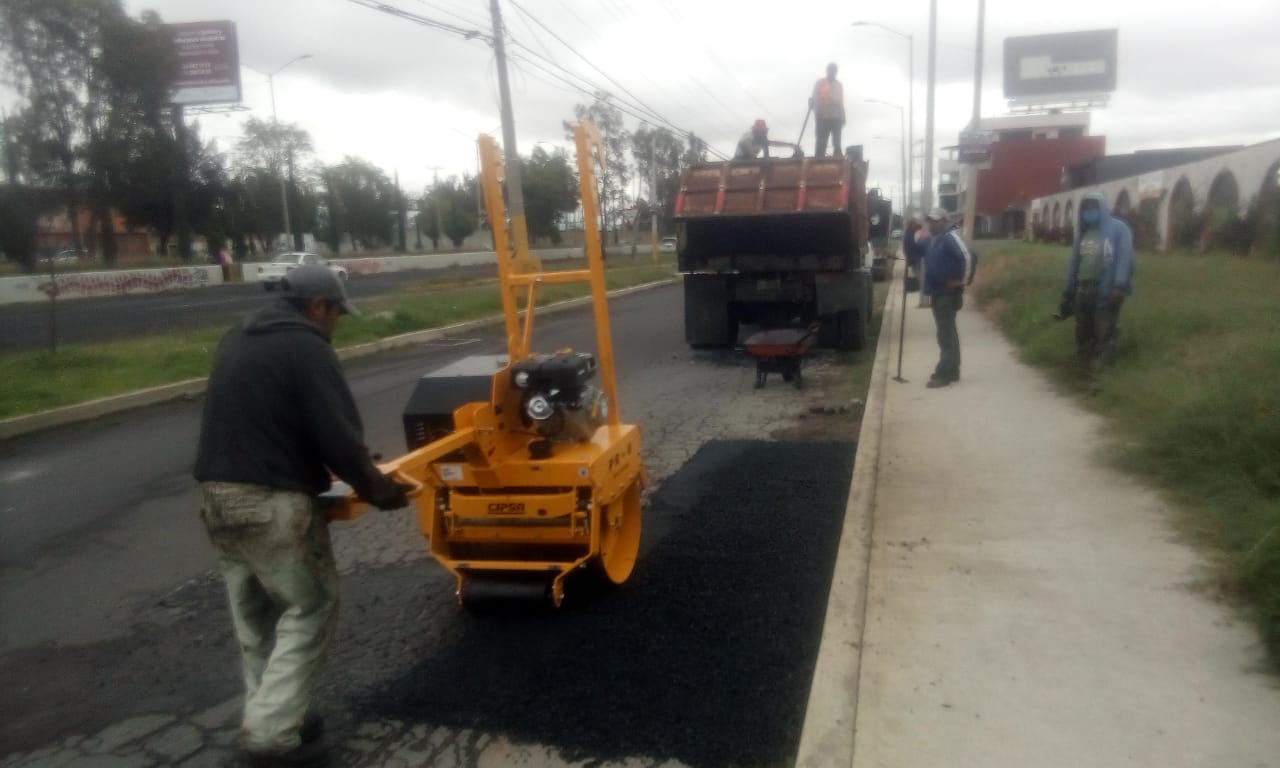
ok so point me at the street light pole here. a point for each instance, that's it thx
(275, 123)
(911, 104)
(926, 195)
(902, 131)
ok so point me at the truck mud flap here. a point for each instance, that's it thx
(708, 314)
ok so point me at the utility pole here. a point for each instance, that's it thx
(511, 155)
(975, 124)
(275, 123)
(400, 238)
(181, 177)
(926, 194)
(435, 203)
(653, 193)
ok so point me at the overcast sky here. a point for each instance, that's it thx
(410, 98)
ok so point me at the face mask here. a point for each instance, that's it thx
(1090, 217)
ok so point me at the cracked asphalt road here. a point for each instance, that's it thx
(116, 647)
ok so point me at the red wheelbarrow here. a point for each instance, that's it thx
(780, 351)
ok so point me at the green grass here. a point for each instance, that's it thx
(37, 381)
(1193, 398)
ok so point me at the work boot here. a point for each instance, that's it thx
(312, 727)
(308, 753)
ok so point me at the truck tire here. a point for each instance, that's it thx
(708, 316)
(843, 330)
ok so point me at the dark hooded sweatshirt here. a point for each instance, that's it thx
(278, 412)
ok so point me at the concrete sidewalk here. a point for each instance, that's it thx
(1026, 605)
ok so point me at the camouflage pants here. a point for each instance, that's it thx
(274, 552)
(1097, 328)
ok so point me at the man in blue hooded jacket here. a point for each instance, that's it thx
(1099, 278)
(949, 265)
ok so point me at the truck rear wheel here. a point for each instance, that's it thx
(708, 316)
(845, 330)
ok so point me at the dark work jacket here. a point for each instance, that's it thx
(278, 411)
(948, 257)
(910, 248)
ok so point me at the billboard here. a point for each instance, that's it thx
(208, 63)
(1068, 63)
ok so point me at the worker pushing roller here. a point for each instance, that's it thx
(538, 477)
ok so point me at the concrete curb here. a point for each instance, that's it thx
(827, 739)
(56, 417)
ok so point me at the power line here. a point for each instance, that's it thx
(591, 64)
(387, 8)
(622, 106)
(479, 23)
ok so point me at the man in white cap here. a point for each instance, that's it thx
(278, 421)
(949, 265)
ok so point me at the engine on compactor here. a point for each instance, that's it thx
(557, 398)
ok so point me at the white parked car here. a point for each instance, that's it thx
(668, 245)
(271, 273)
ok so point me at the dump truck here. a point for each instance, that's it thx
(775, 243)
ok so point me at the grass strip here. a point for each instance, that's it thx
(38, 381)
(1192, 399)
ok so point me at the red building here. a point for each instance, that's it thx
(1029, 158)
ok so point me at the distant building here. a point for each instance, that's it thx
(55, 233)
(1030, 155)
(1100, 170)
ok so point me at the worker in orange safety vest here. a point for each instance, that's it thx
(827, 103)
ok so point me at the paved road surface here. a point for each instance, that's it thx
(115, 645)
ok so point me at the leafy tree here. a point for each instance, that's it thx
(458, 226)
(456, 199)
(127, 95)
(18, 225)
(659, 149)
(367, 199)
(550, 191)
(50, 47)
(279, 148)
(613, 179)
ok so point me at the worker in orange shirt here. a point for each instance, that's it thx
(827, 103)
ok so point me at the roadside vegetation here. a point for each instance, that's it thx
(1192, 400)
(38, 381)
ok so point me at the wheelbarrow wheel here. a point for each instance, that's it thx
(620, 535)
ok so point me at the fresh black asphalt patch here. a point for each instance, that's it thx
(705, 655)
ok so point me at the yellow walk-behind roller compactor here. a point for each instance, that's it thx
(516, 492)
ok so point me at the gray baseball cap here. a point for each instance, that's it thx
(313, 281)
(938, 213)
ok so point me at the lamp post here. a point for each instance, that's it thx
(275, 123)
(902, 144)
(911, 101)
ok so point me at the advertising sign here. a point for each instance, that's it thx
(975, 146)
(208, 63)
(1067, 63)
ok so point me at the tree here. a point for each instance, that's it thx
(550, 191)
(128, 92)
(458, 226)
(456, 200)
(367, 199)
(50, 49)
(659, 149)
(278, 148)
(614, 177)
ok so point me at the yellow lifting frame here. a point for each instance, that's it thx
(518, 270)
